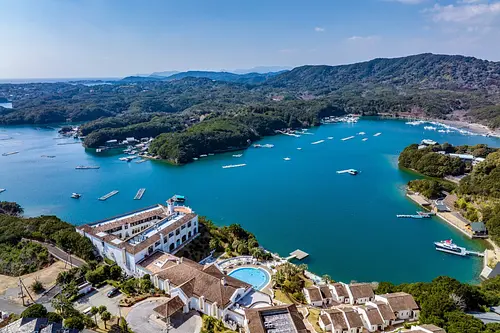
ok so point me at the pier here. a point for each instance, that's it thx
(474, 253)
(109, 195)
(297, 254)
(139, 194)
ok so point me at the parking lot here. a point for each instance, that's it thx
(97, 298)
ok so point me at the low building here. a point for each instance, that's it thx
(385, 312)
(489, 273)
(38, 325)
(463, 157)
(371, 317)
(427, 328)
(129, 238)
(284, 318)
(318, 295)
(202, 288)
(402, 305)
(360, 293)
(341, 320)
(478, 229)
(428, 142)
(340, 293)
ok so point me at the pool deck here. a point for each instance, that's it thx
(267, 288)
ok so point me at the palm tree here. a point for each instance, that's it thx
(327, 278)
(105, 316)
(94, 311)
(102, 309)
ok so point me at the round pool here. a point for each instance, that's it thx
(257, 277)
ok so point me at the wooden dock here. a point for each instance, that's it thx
(139, 194)
(109, 195)
(297, 254)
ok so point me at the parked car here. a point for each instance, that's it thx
(112, 292)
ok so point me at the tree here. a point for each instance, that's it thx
(37, 286)
(327, 278)
(53, 317)
(35, 311)
(102, 309)
(124, 325)
(10, 208)
(62, 305)
(115, 272)
(94, 311)
(105, 316)
(76, 322)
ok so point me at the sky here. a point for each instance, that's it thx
(116, 38)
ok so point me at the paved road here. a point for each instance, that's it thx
(142, 320)
(61, 254)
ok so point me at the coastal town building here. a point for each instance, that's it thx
(341, 320)
(204, 288)
(360, 293)
(319, 295)
(427, 328)
(340, 294)
(402, 305)
(284, 318)
(129, 238)
(371, 317)
(39, 325)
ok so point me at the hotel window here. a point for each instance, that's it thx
(177, 231)
(189, 224)
(126, 226)
(157, 244)
(183, 227)
(171, 234)
(165, 240)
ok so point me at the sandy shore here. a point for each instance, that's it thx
(473, 127)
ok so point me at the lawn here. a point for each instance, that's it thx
(314, 318)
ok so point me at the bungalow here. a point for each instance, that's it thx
(341, 320)
(478, 229)
(360, 293)
(371, 317)
(427, 328)
(340, 293)
(402, 305)
(207, 289)
(284, 318)
(385, 312)
(318, 295)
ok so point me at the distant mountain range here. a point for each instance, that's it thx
(248, 78)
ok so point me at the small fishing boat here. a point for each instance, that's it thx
(287, 158)
(299, 148)
(330, 138)
(237, 155)
(365, 139)
(76, 195)
(377, 134)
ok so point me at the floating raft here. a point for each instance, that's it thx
(233, 166)
(139, 194)
(109, 195)
(348, 138)
(298, 254)
(317, 142)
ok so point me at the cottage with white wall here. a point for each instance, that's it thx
(360, 293)
(403, 306)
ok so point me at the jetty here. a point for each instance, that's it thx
(297, 254)
(233, 166)
(348, 138)
(109, 195)
(139, 194)
(412, 216)
(474, 253)
(317, 142)
(87, 167)
(10, 153)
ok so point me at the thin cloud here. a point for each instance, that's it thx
(466, 13)
(319, 29)
(363, 38)
(409, 2)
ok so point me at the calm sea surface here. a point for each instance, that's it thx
(347, 224)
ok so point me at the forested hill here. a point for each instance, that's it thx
(249, 78)
(425, 71)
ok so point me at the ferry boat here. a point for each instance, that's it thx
(449, 247)
(76, 195)
(179, 198)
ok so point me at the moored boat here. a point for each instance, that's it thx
(449, 247)
(76, 195)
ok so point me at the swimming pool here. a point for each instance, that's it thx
(257, 277)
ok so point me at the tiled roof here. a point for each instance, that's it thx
(385, 311)
(255, 318)
(433, 328)
(203, 283)
(361, 290)
(374, 316)
(170, 307)
(314, 294)
(325, 319)
(340, 290)
(353, 318)
(325, 291)
(401, 301)
(337, 318)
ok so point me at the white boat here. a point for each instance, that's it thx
(233, 166)
(2, 190)
(76, 195)
(237, 155)
(299, 148)
(10, 153)
(287, 158)
(330, 138)
(377, 134)
(195, 158)
(317, 142)
(361, 133)
(365, 139)
(203, 155)
(449, 247)
(430, 128)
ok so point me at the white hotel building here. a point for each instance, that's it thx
(129, 238)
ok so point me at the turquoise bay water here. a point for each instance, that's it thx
(346, 223)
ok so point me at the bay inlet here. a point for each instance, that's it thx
(347, 224)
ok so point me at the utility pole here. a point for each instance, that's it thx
(21, 288)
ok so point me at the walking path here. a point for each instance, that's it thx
(61, 254)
